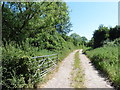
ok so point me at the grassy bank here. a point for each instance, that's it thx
(77, 73)
(106, 60)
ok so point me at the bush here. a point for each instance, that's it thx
(17, 65)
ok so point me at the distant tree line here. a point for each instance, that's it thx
(104, 34)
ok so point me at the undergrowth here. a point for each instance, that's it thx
(17, 66)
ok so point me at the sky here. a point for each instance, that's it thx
(87, 16)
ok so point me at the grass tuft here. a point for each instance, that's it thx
(77, 73)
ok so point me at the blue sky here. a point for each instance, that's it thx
(87, 16)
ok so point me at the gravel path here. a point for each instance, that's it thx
(92, 78)
(61, 78)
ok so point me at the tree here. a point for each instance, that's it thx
(16, 16)
(90, 43)
(100, 36)
(114, 33)
(23, 20)
(77, 40)
(84, 40)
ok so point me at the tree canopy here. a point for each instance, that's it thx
(23, 20)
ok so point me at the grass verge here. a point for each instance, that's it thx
(77, 73)
(106, 60)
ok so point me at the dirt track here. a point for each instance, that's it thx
(62, 78)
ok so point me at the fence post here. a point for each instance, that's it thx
(57, 59)
(43, 65)
(48, 62)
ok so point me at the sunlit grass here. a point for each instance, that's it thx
(77, 73)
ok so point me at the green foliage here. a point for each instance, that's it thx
(77, 40)
(100, 35)
(84, 40)
(30, 19)
(18, 68)
(104, 35)
(106, 60)
(114, 33)
(32, 29)
(116, 42)
(90, 43)
(86, 49)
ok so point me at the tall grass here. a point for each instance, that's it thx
(106, 60)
